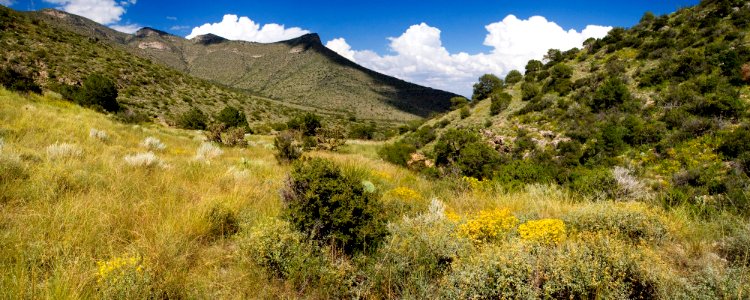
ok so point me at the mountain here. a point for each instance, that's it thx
(661, 106)
(300, 71)
(55, 57)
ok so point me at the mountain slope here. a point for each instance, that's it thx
(54, 56)
(662, 106)
(300, 71)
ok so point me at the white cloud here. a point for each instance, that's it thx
(179, 28)
(419, 56)
(171, 18)
(127, 28)
(242, 28)
(100, 11)
(6, 2)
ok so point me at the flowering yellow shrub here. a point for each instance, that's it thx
(544, 231)
(405, 193)
(476, 184)
(125, 275)
(382, 175)
(488, 225)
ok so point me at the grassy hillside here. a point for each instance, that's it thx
(54, 57)
(110, 220)
(657, 113)
(300, 71)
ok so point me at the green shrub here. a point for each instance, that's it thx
(599, 182)
(285, 254)
(98, 92)
(529, 91)
(307, 124)
(500, 102)
(231, 117)
(633, 221)
(287, 147)
(398, 153)
(192, 119)
(513, 77)
(497, 272)
(222, 222)
(464, 112)
(11, 168)
(458, 102)
(19, 82)
(487, 85)
(365, 131)
(461, 151)
(735, 143)
(613, 92)
(332, 208)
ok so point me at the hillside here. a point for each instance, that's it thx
(56, 57)
(300, 71)
(662, 106)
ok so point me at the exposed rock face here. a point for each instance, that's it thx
(153, 45)
(55, 13)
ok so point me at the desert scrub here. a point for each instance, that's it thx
(544, 231)
(11, 169)
(586, 266)
(286, 254)
(123, 277)
(153, 144)
(416, 254)
(494, 273)
(207, 152)
(634, 221)
(63, 151)
(488, 225)
(287, 146)
(143, 160)
(332, 207)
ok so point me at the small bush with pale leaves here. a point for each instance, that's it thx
(2, 143)
(98, 134)
(145, 160)
(63, 151)
(208, 151)
(628, 186)
(153, 144)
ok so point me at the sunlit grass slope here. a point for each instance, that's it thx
(87, 212)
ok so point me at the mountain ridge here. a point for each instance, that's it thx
(301, 71)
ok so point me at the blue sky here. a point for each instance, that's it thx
(455, 33)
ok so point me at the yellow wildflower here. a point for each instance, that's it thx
(405, 193)
(382, 175)
(545, 231)
(488, 225)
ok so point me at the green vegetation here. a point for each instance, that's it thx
(486, 85)
(333, 208)
(191, 220)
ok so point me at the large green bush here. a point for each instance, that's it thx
(333, 208)
(307, 124)
(16, 81)
(398, 153)
(98, 92)
(193, 119)
(513, 77)
(487, 85)
(461, 151)
(231, 117)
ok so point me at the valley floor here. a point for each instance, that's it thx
(90, 209)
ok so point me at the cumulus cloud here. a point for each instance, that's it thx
(243, 28)
(6, 2)
(127, 28)
(100, 11)
(419, 55)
